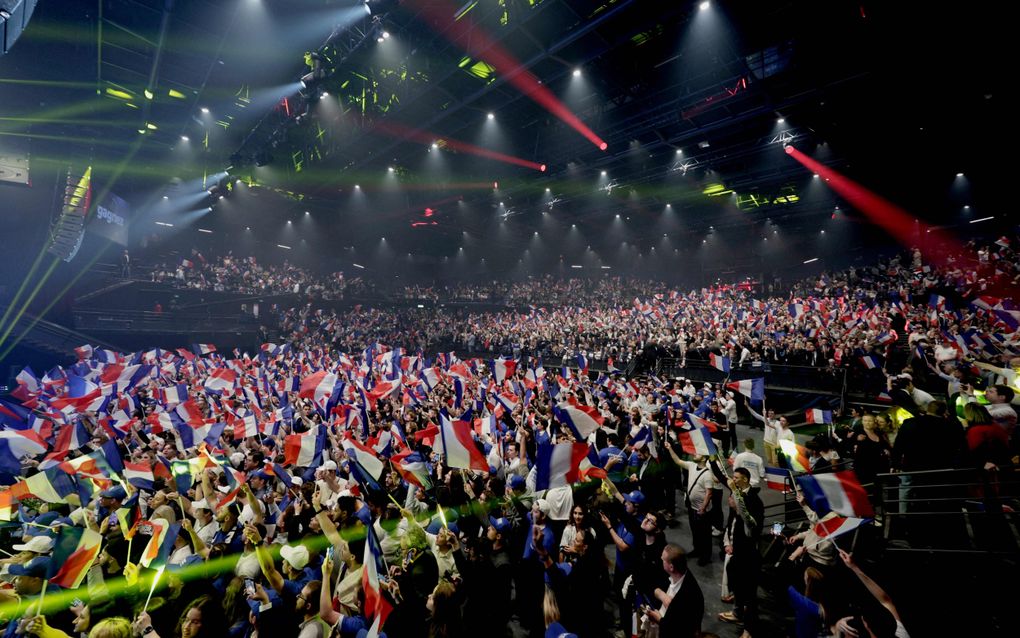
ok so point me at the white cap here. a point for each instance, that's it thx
(543, 506)
(38, 544)
(296, 556)
(201, 505)
(328, 465)
(296, 480)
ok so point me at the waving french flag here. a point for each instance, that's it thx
(220, 380)
(754, 389)
(174, 394)
(838, 525)
(203, 348)
(697, 441)
(611, 366)
(412, 468)
(581, 419)
(376, 607)
(363, 456)
(558, 465)
(431, 377)
(318, 387)
(533, 377)
(719, 362)
(503, 369)
(838, 492)
(582, 363)
(139, 475)
(24, 443)
(818, 416)
(302, 449)
(871, 362)
(459, 447)
(508, 400)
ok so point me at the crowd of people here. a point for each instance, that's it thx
(330, 485)
(229, 273)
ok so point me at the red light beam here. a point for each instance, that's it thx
(397, 130)
(439, 14)
(901, 225)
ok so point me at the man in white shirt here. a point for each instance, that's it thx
(751, 462)
(699, 503)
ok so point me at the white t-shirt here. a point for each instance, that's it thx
(753, 464)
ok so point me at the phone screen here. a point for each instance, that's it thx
(249, 586)
(777, 529)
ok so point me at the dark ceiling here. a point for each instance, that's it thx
(688, 101)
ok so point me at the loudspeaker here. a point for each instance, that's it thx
(14, 17)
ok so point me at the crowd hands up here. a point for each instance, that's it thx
(331, 484)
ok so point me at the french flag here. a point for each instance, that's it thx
(558, 465)
(754, 389)
(838, 492)
(796, 310)
(174, 394)
(870, 362)
(885, 338)
(697, 441)
(719, 362)
(412, 468)
(582, 363)
(431, 377)
(503, 369)
(302, 449)
(508, 400)
(818, 416)
(459, 447)
(245, 425)
(776, 479)
(318, 387)
(376, 607)
(611, 366)
(838, 525)
(220, 379)
(581, 419)
(24, 443)
(591, 467)
(363, 456)
(203, 348)
(381, 391)
(139, 475)
(28, 379)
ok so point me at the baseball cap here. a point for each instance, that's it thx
(500, 524)
(201, 505)
(328, 465)
(36, 568)
(543, 506)
(115, 492)
(38, 544)
(297, 556)
(516, 482)
(635, 497)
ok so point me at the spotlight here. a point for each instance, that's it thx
(205, 110)
(603, 146)
(380, 39)
(289, 221)
(577, 73)
(166, 197)
(307, 213)
(959, 174)
(704, 5)
(542, 168)
(184, 138)
(325, 94)
(491, 116)
(385, 34)
(435, 146)
(357, 186)
(389, 169)
(781, 121)
(603, 173)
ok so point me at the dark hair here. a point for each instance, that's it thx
(214, 622)
(743, 471)
(1006, 392)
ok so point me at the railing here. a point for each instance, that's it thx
(805, 378)
(145, 321)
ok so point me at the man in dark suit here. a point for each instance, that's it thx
(744, 528)
(681, 607)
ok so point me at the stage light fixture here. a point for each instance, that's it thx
(577, 73)
(184, 138)
(491, 116)
(386, 34)
(389, 169)
(959, 174)
(205, 110)
(704, 5)
(781, 121)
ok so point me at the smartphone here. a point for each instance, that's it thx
(329, 553)
(777, 529)
(249, 586)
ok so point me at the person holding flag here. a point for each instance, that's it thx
(698, 499)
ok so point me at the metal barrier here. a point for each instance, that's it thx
(780, 377)
(145, 321)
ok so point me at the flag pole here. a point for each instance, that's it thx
(159, 573)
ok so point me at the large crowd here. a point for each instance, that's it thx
(331, 485)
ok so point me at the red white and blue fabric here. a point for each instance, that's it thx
(838, 525)
(302, 449)
(870, 362)
(697, 441)
(412, 468)
(503, 369)
(754, 389)
(581, 419)
(364, 456)
(459, 447)
(23, 443)
(719, 362)
(558, 465)
(776, 479)
(818, 416)
(203, 348)
(174, 394)
(318, 387)
(376, 607)
(838, 492)
(139, 475)
(582, 363)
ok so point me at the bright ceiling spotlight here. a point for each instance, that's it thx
(491, 116)
(704, 5)
(577, 73)
(205, 110)
(781, 121)
(184, 138)
(389, 169)
(385, 34)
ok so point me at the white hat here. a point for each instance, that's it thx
(328, 465)
(543, 506)
(201, 505)
(296, 556)
(296, 480)
(237, 459)
(38, 544)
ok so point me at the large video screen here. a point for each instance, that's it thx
(111, 219)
